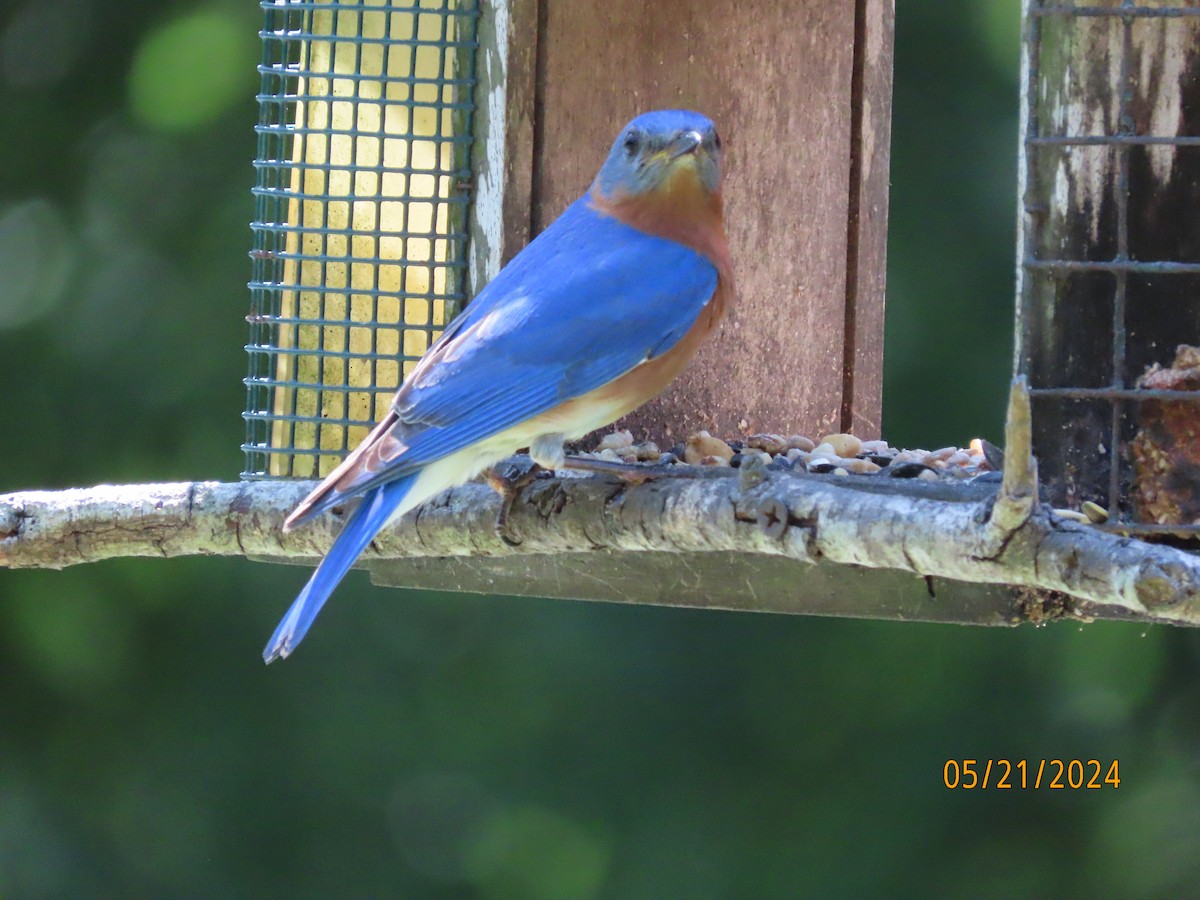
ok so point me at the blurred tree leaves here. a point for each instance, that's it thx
(190, 70)
(952, 230)
(37, 254)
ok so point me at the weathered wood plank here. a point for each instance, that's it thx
(730, 581)
(866, 263)
(503, 153)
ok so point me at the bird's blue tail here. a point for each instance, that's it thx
(364, 523)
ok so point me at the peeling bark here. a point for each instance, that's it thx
(943, 531)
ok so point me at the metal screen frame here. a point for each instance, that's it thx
(1120, 393)
(363, 181)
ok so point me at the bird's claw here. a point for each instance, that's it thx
(508, 478)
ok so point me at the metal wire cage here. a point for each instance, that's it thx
(1109, 247)
(361, 193)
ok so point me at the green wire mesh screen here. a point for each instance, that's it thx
(361, 192)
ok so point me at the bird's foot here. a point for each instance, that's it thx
(507, 479)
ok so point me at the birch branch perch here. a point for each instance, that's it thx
(958, 532)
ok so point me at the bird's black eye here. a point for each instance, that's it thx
(716, 140)
(631, 144)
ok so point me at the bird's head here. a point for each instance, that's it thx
(659, 153)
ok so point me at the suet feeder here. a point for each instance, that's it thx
(1109, 258)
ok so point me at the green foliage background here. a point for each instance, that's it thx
(476, 746)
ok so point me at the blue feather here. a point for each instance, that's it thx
(574, 328)
(364, 523)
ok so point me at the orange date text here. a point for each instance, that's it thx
(1030, 774)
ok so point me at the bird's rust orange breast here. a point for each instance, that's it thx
(684, 213)
(692, 217)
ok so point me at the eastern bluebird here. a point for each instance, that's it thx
(593, 318)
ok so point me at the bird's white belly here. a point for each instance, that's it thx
(460, 467)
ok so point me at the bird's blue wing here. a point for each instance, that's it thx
(586, 302)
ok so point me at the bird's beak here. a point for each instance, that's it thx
(685, 142)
